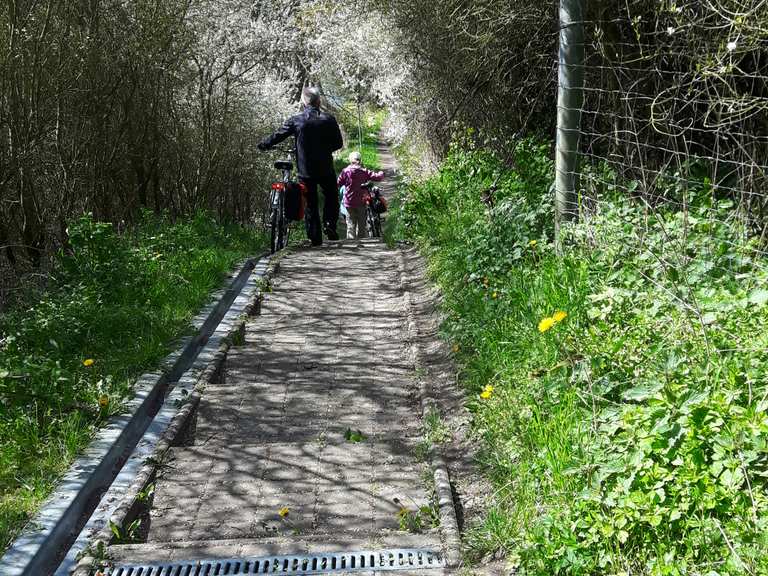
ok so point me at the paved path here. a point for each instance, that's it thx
(327, 356)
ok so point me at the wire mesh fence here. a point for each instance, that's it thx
(673, 118)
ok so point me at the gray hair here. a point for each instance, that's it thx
(310, 96)
(355, 158)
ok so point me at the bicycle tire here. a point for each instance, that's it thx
(282, 223)
(272, 223)
(273, 231)
(369, 222)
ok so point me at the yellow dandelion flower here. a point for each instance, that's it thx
(559, 316)
(103, 400)
(546, 324)
(88, 362)
(487, 392)
(284, 511)
(455, 348)
(495, 295)
(532, 243)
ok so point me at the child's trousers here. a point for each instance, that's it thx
(356, 227)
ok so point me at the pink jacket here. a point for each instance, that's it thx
(352, 178)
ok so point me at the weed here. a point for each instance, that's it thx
(423, 450)
(145, 495)
(354, 436)
(238, 338)
(435, 429)
(97, 551)
(125, 536)
(418, 519)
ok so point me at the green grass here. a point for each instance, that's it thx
(118, 300)
(630, 437)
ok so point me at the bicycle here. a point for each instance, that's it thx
(286, 203)
(375, 206)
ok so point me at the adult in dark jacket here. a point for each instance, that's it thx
(317, 137)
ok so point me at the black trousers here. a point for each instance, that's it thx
(330, 207)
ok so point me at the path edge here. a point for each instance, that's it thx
(133, 500)
(449, 523)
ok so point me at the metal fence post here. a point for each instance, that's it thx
(570, 98)
(359, 125)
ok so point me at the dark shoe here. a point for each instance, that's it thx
(331, 233)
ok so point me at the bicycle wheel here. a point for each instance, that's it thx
(286, 233)
(273, 223)
(370, 225)
(281, 223)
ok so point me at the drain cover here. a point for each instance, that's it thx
(401, 559)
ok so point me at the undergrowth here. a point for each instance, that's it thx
(619, 390)
(113, 309)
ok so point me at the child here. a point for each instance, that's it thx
(352, 178)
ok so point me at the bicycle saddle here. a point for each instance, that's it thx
(284, 165)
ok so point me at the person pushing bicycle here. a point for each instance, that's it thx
(317, 136)
(352, 178)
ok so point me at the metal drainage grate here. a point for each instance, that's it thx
(401, 559)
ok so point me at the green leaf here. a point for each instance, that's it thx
(709, 318)
(115, 530)
(640, 393)
(759, 297)
(732, 479)
(354, 436)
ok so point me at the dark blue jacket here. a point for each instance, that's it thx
(317, 137)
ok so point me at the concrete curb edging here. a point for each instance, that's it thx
(449, 524)
(130, 503)
(46, 540)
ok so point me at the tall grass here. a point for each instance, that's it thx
(625, 435)
(114, 308)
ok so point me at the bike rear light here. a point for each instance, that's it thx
(278, 186)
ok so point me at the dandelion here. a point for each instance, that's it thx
(103, 400)
(731, 46)
(88, 362)
(495, 295)
(559, 316)
(455, 348)
(532, 243)
(487, 392)
(546, 324)
(284, 511)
